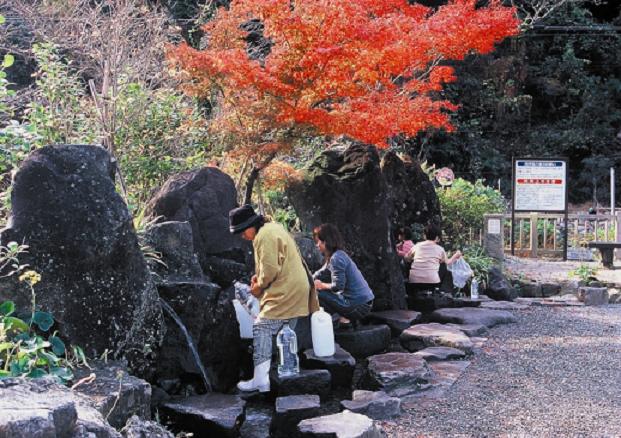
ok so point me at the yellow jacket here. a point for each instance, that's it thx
(281, 274)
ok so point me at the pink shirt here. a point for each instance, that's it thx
(426, 258)
(404, 248)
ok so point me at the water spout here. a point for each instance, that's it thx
(190, 341)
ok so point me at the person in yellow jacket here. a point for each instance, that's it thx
(281, 283)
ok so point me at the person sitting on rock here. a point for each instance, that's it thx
(347, 294)
(281, 283)
(404, 244)
(426, 257)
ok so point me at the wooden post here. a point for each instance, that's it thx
(534, 238)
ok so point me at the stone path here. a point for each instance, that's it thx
(556, 372)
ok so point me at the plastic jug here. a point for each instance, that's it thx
(245, 320)
(474, 289)
(287, 343)
(322, 333)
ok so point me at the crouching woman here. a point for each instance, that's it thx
(341, 286)
(280, 282)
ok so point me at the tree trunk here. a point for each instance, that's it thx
(254, 174)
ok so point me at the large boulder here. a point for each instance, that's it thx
(498, 287)
(347, 188)
(203, 198)
(412, 195)
(81, 239)
(43, 408)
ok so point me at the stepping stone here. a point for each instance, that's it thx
(444, 374)
(397, 320)
(593, 296)
(364, 341)
(470, 329)
(376, 405)
(341, 365)
(291, 410)
(487, 317)
(434, 354)
(428, 302)
(503, 305)
(530, 289)
(209, 414)
(421, 336)
(305, 382)
(397, 374)
(257, 422)
(345, 424)
(478, 342)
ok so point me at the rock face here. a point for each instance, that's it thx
(208, 315)
(421, 336)
(208, 415)
(42, 408)
(347, 188)
(344, 424)
(291, 410)
(305, 382)
(412, 195)
(499, 288)
(593, 296)
(203, 307)
(435, 354)
(81, 240)
(397, 320)
(203, 198)
(116, 394)
(397, 374)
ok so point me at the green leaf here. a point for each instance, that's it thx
(50, 358)
(12, 323)
(58, 346)
(36, 373)
(6, 346)
(2, 19)
(43, 320)
(8, 60)
(7, 308)
(62, 373)
(4, 374)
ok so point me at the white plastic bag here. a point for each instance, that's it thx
(246, 309)
(461, 272)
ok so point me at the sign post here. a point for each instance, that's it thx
(539, 186)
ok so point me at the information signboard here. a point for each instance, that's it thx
(540, 185)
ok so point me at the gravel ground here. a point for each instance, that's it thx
(557, 372)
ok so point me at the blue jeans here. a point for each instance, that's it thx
(263, 330)
(337, 303)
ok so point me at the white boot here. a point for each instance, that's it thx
(261, 380)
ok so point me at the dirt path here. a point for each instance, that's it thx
(554, 373)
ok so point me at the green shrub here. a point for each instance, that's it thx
(479, 262)
(463, 206)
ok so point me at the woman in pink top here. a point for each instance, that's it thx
(426, 257)
(405, 244)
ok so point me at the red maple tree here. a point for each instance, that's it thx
(367, 69)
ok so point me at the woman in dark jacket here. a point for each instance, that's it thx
(340, 285)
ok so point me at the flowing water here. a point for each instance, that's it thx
(190, 341)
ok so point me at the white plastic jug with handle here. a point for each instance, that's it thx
(245, 320)
(322, 333)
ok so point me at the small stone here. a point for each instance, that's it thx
(139, 428)
(292, 409)
(365, 341)
(345, 424)
(397, 320)
(340, 365)
(376, 405)
(305, 382)
(593, 296)
(434, 354)
(421, 336)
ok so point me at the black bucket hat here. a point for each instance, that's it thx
(242, 218)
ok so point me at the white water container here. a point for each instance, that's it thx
(245, 320)
(322, 333)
